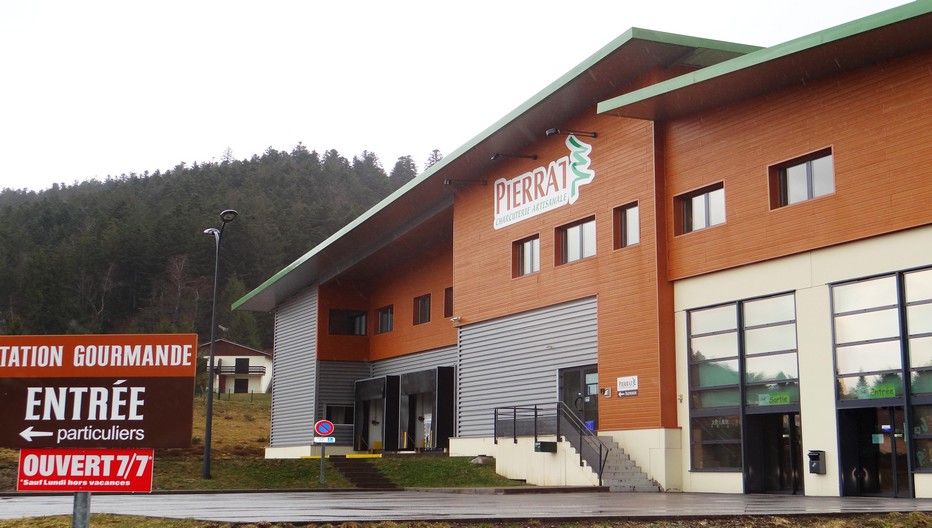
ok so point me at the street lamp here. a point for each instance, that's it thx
(226, 217)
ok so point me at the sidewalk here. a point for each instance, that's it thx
(447, 505)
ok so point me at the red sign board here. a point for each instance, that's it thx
(97, 391)
(92, 470)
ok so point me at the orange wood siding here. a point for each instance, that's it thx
(430, 272)
(340, 296)
(878, 122)
(625, 280)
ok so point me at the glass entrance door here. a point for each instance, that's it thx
(774, 460)
(579, 390)
(873, 455)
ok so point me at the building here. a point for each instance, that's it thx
(239, 369)
(720, 256)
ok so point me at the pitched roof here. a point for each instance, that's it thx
(425, 203)
(889, 34)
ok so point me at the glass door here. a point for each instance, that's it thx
(874, 460)
(774, 460)
(579, 390)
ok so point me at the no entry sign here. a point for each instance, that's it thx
(114, 391)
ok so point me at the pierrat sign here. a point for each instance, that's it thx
(544, 188)
(93, 391)
(93, 470)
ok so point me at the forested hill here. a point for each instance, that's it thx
(129, 255)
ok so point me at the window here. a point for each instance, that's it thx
(627, 225)
(347, 322)
(422, 309)
(448, 302)
(525, 256)
(700, 209)
(576, 241)
(802, 179)
(883, 349)
(339, 414)
(742, 359)
(386, 319)
(242, 366)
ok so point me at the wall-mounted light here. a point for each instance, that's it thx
(552, 131)
(506, 155)
(456, 319)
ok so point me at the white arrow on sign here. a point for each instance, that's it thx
(29, 434)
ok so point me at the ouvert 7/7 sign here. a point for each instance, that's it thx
(103, 391)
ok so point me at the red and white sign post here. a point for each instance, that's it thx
(323, 430)
(86, 410)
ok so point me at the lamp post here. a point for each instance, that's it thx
(226, 217)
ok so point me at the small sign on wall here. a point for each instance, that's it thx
(627, 386)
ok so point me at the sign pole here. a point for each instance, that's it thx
(81, 514)
(323, 454)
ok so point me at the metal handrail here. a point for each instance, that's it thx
(589, 444)
(591, 439)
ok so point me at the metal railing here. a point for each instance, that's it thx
(552, 419)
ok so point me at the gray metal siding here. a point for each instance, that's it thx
(294, 370)
(515, 360)
(335, 383)
(441, 357)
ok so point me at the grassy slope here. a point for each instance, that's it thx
(240, 433)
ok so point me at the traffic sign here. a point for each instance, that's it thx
(96, 391)
(325, 440)
(323, 427)
(85, 470)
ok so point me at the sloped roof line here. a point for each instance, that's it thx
(765, 55)
(536, 100)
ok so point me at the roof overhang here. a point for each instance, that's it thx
(426, 198)
(886, 35)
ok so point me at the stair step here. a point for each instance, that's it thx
(361, 473)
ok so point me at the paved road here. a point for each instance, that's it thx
(344, 506)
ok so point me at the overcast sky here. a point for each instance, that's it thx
(91, 88)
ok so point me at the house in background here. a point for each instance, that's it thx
(239, 369)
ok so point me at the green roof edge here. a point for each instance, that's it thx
(631, 34)
(848, 29)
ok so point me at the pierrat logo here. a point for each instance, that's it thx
(544, 188)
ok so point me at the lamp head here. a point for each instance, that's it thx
(228, 216)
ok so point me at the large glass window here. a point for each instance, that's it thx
(868, 354)
(700, 209)
(746, 347)
(803, 178)
(883, 341)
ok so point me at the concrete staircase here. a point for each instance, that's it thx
(361, 473)
(621, 474)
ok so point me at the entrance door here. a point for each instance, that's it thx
(873, 454)
(579, 390)
(773, 454)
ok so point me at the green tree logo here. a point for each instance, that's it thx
(579, 164)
